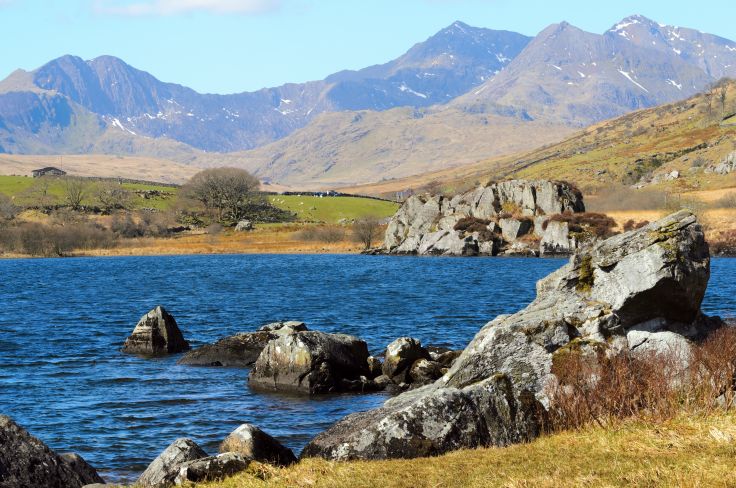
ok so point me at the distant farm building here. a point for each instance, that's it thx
(50, 171)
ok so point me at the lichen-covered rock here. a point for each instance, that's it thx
(162, 472)
(621, 284)
(244, 226)
(26, 462)
(155, 334)
(252, 443)
(425, 225)
(428, 423)
(311, 362)
(641, 289)
(212, 468)
(400, 355)
(240, 350)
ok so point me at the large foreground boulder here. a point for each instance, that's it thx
(252, 443)
(156, 334)
(162, 472)
(311, 362)
(26, 462)
(651, 280)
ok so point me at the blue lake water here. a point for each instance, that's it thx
(62, 322)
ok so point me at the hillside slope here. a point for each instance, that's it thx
(639, 149)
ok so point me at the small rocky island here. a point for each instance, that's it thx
(512, 218)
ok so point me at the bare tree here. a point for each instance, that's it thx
(75, 191)
(112, 196)
(228, 192)
(366, 230)
(39, 193)
(8, 210)
(723, 96)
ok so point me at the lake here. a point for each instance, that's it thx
(63, 322)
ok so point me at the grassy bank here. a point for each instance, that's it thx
(684, 452)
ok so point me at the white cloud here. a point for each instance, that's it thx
(173, 7)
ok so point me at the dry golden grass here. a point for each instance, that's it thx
(685, 452)
(101, 165)
(278, 239)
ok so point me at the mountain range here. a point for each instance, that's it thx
(462, 95)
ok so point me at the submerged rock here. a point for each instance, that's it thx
(26, 462)
(162, 472)
(156, 333)
(644, 286)
(311, 362)
(251, 442)
(212, 468)
(239, 350)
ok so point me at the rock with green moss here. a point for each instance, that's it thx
(311, 362)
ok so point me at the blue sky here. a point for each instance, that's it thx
(225, 46)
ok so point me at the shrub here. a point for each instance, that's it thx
(598, 224)
(472, 224)
(366, 230)
(593, 384)
(329, 234)
(8, 210)
(632, 225)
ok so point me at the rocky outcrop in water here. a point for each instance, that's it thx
(240, 350)
(642, 286)
(162, 472)
(252, 443)
(26, 462)
(156, 334)
(499, 218)
(311, 362)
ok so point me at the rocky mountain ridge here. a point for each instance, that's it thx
(452, 94)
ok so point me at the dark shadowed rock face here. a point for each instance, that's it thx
(26, 462)
(239, 350)
(641, 287)
(310, 362)
(162, 472)
(252, 443)
(156, 333)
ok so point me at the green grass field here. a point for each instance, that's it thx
(25, 191)
(333, 209)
